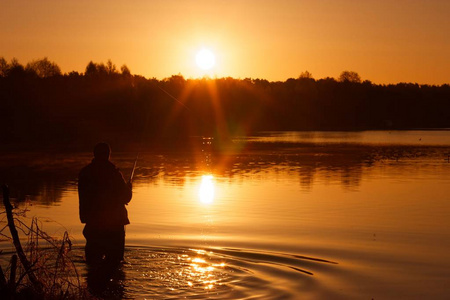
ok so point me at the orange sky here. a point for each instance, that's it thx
(384, 41)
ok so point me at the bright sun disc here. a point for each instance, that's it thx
(205, 59)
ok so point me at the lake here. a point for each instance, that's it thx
(284, 215)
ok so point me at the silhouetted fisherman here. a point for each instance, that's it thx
(103, 194)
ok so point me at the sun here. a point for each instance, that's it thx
(205, 59)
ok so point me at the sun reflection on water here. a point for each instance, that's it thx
(169, 273)
(203, 271)
(199, 271)
(206, 190)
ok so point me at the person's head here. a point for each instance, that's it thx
(102, 151)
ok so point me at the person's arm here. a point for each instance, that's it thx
(82, 197)
(125, 190)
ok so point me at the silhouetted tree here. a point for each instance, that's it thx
(74, 74)
(43, 68)
(80, 109)
(176, 82)
(110, 67)
(91, 69)
(15, 69)
(125, 71)
(102, 70)
(3, 67)
(306, 75)
(349, 76)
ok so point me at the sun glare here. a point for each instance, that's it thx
(206, 190)
(205, 59)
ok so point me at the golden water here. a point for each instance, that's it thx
(311, 222)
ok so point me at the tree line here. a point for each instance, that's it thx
(41, 107)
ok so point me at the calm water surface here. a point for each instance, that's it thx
(333, 215)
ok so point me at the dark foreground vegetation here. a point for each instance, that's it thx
(42, 108)
(43, 268)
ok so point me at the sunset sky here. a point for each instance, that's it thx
(385, 41)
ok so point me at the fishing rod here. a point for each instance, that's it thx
(137, 156)
(173, 97)
(134, 168)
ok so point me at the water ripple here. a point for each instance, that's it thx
(210, 273)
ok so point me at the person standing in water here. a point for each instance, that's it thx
(103, 194)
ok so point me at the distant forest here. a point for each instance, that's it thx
(42, 108)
